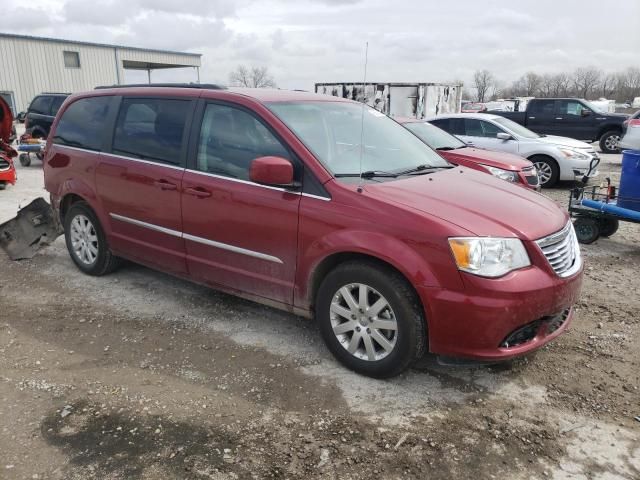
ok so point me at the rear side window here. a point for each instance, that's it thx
(56, 103)
(151, 129)
(82, 123)
(442, 123)
(230, 139)
(40, 105)
(542, 107)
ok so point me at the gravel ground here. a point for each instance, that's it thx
(141, 375)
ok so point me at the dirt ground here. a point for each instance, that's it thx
(139, 375)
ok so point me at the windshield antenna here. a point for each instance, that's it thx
(364, 101)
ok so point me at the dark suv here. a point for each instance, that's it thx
(41, 112)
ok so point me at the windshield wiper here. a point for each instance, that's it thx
(368, 174)
(446, 148)
(420, 169)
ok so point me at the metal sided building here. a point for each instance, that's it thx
(33, 65)
(417, 100)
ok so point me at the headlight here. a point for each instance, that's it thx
(503, 174)
(488, 257)
(569, 153)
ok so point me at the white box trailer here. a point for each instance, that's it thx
(413, 100)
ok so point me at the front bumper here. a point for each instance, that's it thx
(480, 322)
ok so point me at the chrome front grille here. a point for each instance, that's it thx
(562, 251)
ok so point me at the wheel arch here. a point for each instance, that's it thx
(610, 127)
(333, 260)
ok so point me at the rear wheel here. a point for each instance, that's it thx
(609, 141)
(370, 319)
(608, 226)
(25, 159)
(3, 185)
(86, 241)
(587, 229)
(548, 170)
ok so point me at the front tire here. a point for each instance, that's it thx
(548, 170)
(86, 241)
(370, 319)
(25, 159)
(609, 142)
(608, 226)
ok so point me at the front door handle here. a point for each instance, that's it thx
(558, 118)
(164, 185)
(197, 192)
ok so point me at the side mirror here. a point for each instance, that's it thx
(503, 136)
(585, 113)
(272, 171)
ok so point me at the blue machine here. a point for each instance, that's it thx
(598, 214)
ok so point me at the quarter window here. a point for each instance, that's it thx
(82, 123)
(71, 59)
(151, 129)
(230, 139)
(40, 105)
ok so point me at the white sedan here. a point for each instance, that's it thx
(556, 158)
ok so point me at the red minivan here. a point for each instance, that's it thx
(317, 205)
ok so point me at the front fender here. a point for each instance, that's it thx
(401, 255)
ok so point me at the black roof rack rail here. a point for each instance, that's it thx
(204, 86)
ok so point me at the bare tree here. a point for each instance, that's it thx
(560, 83)
(254, 77)
(608, 85)
(483, 81)
(586, 80)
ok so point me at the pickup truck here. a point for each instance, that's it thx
(570, 117)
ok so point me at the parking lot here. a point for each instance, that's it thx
(141, 375)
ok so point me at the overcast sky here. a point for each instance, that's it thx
(308, 41)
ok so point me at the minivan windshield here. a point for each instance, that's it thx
(349, 138)
(435, 137)
(516, 128)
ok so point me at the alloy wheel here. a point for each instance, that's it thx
(84, 240)
(612, 142)
(363, 322)
(544, 172)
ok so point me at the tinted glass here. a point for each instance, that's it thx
(151, 129)
(82, 123)
(433, 136)
(489, 129)
(56, 103)
(442, 123)
(40, 105)
(543, 107)
(349, 137)
(230, 139)
(473, 127)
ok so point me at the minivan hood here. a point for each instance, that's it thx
(476, 202)
(564, 142)
(504, 160)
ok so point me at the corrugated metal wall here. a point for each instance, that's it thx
(29, 66)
